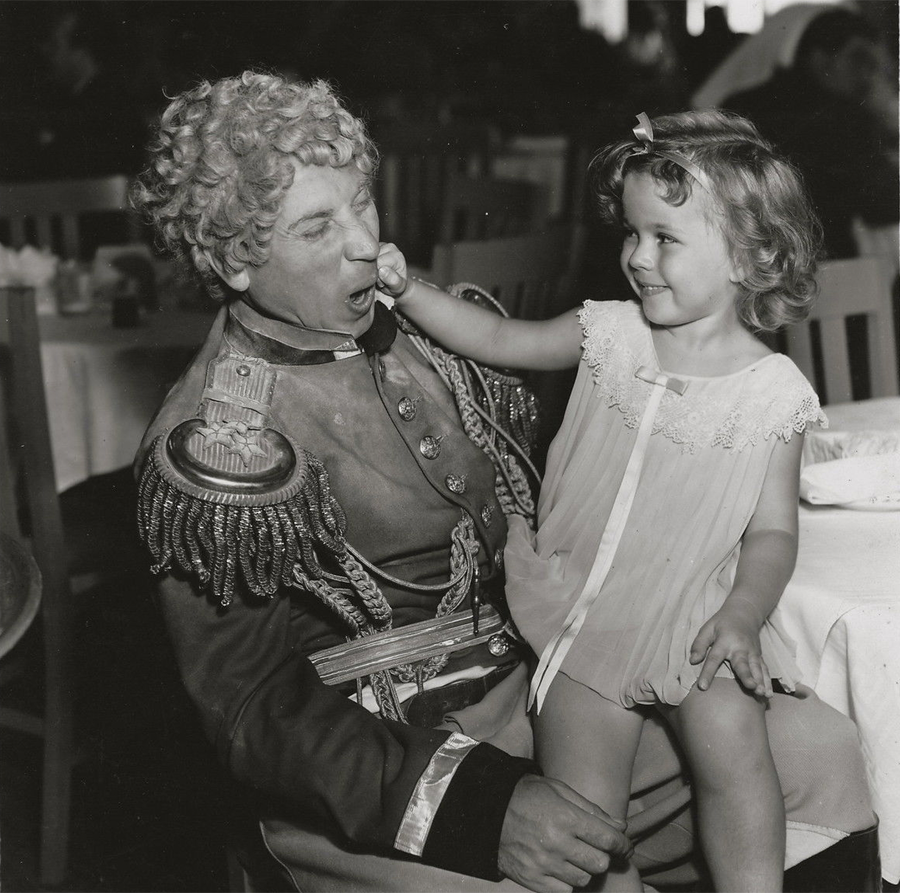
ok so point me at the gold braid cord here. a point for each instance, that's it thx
(499, 413)
(463, 564)
(290, 533)
(233, 538)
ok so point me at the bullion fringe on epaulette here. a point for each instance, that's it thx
(226, 546)
(261, 548)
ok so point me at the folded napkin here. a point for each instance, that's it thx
(28, 266)
(858, 482)
(34, 268)
(824, 446)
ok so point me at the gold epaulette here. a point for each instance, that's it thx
(232, 501)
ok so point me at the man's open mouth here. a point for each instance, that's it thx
(363, 296)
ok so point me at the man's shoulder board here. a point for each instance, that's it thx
(228, 498)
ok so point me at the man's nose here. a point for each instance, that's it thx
(362, 242)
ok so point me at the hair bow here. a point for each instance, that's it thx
(643, 133)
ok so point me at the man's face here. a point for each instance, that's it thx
(321, 270)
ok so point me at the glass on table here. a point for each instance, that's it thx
(74, 288)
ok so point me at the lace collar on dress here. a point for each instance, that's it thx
(769, 398)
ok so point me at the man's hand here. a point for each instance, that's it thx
(555, 839)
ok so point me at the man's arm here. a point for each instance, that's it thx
(286, 735)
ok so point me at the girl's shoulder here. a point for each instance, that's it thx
(770, 398)
(609, 326)
(594, 314)
(783, 397)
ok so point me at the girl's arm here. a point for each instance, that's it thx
(476, 332)
(768, 554)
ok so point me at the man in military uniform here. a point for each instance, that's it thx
(324, 494)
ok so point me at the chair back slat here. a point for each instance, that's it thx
(800, 350)
(416, 162)
(29, 422)
(477, 208)
(838, 379)
(64, 196)
(62, 207)
(849, 288)
(525, 273)
(28, 403)
(17, 231)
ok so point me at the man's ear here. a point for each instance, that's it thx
(239, 281)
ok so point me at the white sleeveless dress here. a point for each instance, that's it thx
(646, 496)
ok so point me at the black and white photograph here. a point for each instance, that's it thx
(449, 446)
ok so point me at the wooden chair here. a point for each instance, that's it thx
(69, 217)
(87, 531)
(527, 274)
(417, 162)
(477, 208)
(849, 288)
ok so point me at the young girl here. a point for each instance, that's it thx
(667, 525)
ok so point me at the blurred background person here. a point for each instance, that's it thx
(73, 116)
(830, 104)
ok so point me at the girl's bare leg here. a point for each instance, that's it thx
(590, 744)
(739, 799)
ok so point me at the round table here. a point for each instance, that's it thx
(20, 591)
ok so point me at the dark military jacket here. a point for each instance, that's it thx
(388, 467)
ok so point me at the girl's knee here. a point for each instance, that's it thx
(723, 732)
(588, 742)
(725, 714)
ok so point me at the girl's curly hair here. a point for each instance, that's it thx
(223, 161)
(764, 210)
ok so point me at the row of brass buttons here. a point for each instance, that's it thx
(430, 448)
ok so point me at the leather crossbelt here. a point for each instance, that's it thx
(410, 644)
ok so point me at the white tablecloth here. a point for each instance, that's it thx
(103, 384)
(842, 607)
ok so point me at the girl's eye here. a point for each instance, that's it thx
(664, 239)
(362, 203)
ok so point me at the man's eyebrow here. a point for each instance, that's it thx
(324, 214)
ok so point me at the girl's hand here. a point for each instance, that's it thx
(392, 277)
(732, 634)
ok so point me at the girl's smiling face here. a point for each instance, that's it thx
(676, 258)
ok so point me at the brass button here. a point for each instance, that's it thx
(487, 514)
(430, 447)
(243, 370)
(498, 644)
(456, 483)
(407, 409)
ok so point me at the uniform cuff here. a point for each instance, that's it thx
(465, 832)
